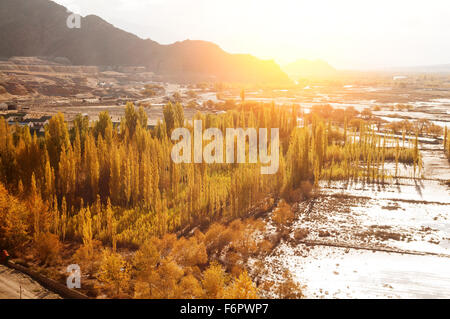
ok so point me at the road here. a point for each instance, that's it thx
(14, 284)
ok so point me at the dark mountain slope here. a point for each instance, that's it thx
(38, 28)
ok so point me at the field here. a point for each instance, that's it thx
(359, 207)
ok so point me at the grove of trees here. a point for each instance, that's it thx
(116, 187)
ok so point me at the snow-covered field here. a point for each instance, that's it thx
(373, 241)
(333, 272)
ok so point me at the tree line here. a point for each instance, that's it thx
(100, 185)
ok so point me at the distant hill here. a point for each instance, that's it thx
(38, 28)
(303, 68)
(438, 68)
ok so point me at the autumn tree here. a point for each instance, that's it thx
(214, 281)
(241, 288)
(114, 272)
(56, 138)
(14, 216)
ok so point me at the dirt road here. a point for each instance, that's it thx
(14, 285)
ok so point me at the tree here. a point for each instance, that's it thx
(165, 279)
(131, 119)
(214, 281)
(56, 138)
(14, 229)
(179, 115)
(170, 118)
(39, 210)
(189, 288)
(114, 272)
(92, 168)
(142, 117)
(104, 127)
(283, 215)
(87, 235)
(48, 248)
(242, 288)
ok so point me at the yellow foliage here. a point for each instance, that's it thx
(214, 281)
(14, 217)
(241, 288)
(48, 248)
(114, 272)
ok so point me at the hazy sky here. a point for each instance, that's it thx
(346, 33)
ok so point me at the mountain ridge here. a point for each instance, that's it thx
(38, 28)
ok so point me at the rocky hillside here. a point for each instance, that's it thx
(38, 28)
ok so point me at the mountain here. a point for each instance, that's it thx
(303, 68)
(38, 28)
(437, 68)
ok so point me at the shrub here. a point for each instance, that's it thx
(283, 215)
(265, 247)
(303, 192)
(217, 237)
(306, 188)
(301, 233)
(289, 289)
(89, 258)
(48, 248)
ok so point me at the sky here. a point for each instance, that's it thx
(348, 34)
